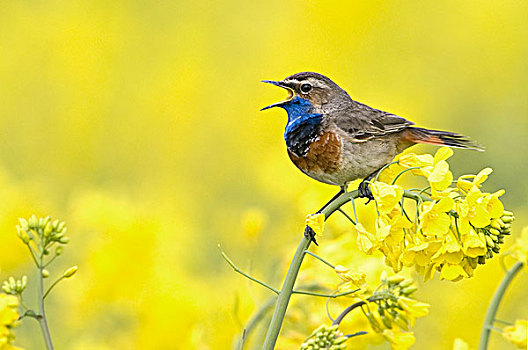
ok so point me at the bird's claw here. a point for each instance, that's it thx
(364, 191)
(310, 234)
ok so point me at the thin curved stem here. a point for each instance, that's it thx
(347, 310)
(494, 305)
(403, 172)
(52, 286)
(232, 264)
(319, 258)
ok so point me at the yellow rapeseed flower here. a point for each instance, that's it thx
(8, 319)
(450, 252)
(434, 220)
(413, 308)
(517, 334)
(387, 196)
(399, 340)
(354, 278)
(365, 240)
(439, 175)
(453, 272)
(466, 186)
(316, 222)
(419, 254)
(412, 160)
(473, 244)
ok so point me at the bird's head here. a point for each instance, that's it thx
(308, 88)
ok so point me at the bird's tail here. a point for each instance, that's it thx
(437, 137)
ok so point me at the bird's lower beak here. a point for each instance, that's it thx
(282, 85)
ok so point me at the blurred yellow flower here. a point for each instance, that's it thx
(517, 334)
(316, 222)
(399, 340)
(253, 222)
(460, 344)
(434, 220)
(8, 320)
(386, 196)
(519, 250)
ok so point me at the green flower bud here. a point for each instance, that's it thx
(58, 250)
(395, 279)
(482, 260)
(23, 223)
(12, 283)
(507, 219)
(401, 322)
(489, 241)
(406, 283)
(386, 321)
(45, 273)
(22, 234)
(494, 231)
(409, 290)
(6, 288)
(64, 240)
(48, 229)
(33, 222)
(70, 272)
(507, 213)
(61, 227)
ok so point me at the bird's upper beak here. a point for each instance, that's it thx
(282, 85)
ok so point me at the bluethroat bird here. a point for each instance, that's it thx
(336, 140)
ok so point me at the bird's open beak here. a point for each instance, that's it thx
(282, 85)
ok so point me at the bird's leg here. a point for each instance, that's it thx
(308, 232)
(363, 188)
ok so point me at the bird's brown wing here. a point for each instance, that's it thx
(366, 123)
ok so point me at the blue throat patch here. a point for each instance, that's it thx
(303, 127)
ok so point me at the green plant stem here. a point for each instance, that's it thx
(42, 313)
(494, 305)
(52, 286)
(289, 281)
(232, 264)
(285, 295)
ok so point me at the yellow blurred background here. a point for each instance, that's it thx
(138, 123)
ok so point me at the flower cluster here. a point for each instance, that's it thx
(392, 310)
(42, 231)
(13, 286)
(452, 227)
(8, 320)
(325, 337)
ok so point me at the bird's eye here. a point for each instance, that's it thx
(305, 88)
